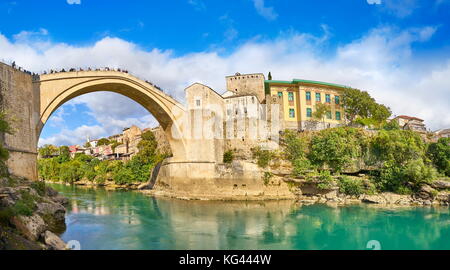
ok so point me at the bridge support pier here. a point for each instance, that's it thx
(212, 181)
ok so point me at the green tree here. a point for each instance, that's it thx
(336, 148)
(439, 154)
(359, 104)
(87, 145)
(401, 158)
(48, 150)
(148, 153)
(103, 141)
(294, 146)
(269, 77)
(64, 154)
(321, 110)
(70, 171)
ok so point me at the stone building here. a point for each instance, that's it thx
(248, 84)
(442, 133)
(297, 99)
(411, 123)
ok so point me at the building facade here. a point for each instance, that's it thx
(411, 123)
(299, 100)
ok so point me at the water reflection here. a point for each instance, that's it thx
(102, 219)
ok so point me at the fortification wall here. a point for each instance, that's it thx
(20, 101)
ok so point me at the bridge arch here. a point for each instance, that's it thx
(58, 88)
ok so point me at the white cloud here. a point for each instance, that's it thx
(382, 62)
(401, 8)
(267, 12)
(74, 2)
(76, 136)
(197, 4)
(374, 2)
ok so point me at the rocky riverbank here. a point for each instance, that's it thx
(110, 185)
(267, 184)
(307, 191)
(31, 215)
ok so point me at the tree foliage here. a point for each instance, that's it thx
(83, 166)
(360, 105)
(336, 148)
(398, 160)
(321, 110)
(439, 154)
(103, 141)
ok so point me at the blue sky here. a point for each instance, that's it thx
(398, 50)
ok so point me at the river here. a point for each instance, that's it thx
(100, 219)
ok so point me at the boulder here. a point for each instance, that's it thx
(443, 197)
(376, 199)
(332, 195)
(31, 227)
(53, 241)
(387, 198)
(51, 192)
(53, 214)
(60, 200)
(426, 192)
(143, 186)
(441, 184)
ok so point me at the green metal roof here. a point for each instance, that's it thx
(296, 81)
(274, 81)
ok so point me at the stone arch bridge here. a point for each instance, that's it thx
(57, 88)
(31, 101)
(196, 169)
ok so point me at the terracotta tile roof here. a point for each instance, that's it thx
(409, 117)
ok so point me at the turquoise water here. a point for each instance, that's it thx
(101, 219)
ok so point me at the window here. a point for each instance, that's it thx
(308, 112)
(329, 115)
(336, 99)
(291, 113)
(308, 95)
(291, 96)
(327, 98)
(280, 94)
(318, 98)
(338, 115)
(198, 103)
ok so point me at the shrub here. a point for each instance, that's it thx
(263, 157)
(439, 154)
(397, 146)
(49, 169)
(124, 176)
(336, 148)
(301, 166)
(325, 180)
(404, 178)
(266, 178)
(350, 186)
(25, 206)
(39, 186)
(70, 171)
(295, 147)
(228, 156)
